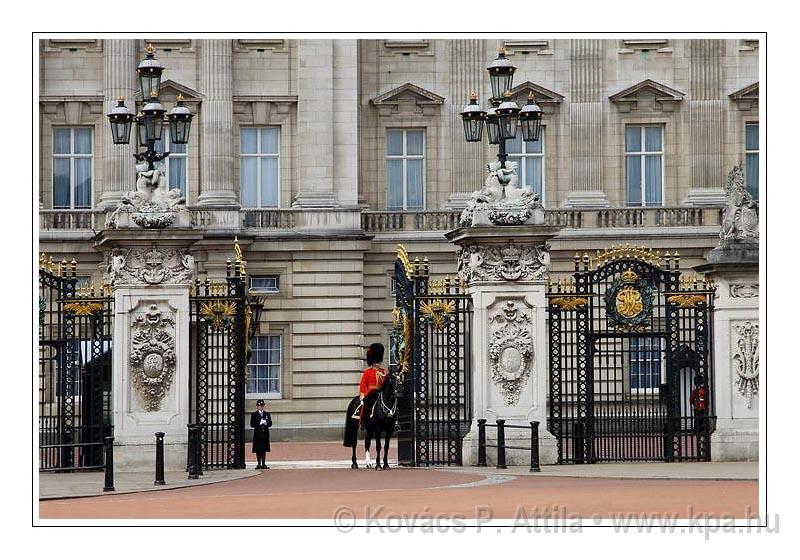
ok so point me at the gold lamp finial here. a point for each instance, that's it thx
(502, 50)
(473, 95)
(179, 98)
(150, 48)
(531, 97)
(121, 98)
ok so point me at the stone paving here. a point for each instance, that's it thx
(299, 456)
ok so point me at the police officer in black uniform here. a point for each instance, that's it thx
(260, 421)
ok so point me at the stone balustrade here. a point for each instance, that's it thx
(398, 221)
(71, 220)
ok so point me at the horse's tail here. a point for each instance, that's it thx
(351, 425)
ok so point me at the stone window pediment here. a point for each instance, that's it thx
(747, 97)
(647, 94)
(169, 92)
(407, 98)
(543, 95)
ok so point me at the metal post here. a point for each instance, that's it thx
(482, 442)
(159, 459)
(501, 444)
(109, 483)
(535, 447)
(192, 452)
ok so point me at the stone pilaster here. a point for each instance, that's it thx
(706, 118)
(217, 185)
(505, 269)
(119, 79)
(315, 124)
(587, 57)
(345, 122)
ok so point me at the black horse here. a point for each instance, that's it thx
(380, 417)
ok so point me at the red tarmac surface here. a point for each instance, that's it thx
(320, 493)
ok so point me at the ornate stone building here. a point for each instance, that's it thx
(322, 155)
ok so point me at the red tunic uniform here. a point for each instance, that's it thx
(372, 379)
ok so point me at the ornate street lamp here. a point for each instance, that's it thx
(501, 74)
(150, 71)
(504, 115)
(152, 117)
(473, 117)
(180, 119)
(120, 119)
(530, 120)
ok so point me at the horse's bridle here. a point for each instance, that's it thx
(393, 410)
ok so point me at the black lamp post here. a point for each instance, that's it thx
(502, 118)
(151, 119)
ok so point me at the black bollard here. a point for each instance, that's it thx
(109, 482)
(535, 447)
(482, 442)
(159, 459)
(501, 444)
(192, 451)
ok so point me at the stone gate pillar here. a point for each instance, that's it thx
(733, 267)
(150, 272)
(505, 269)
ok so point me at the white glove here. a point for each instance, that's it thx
(263, 422)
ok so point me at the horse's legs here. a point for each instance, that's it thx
(386, 448)
(367, 443)
(354, 464)
(378, 450)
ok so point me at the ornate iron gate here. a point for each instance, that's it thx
(630, 361)
(223, 321)
(437, 397)
(75, 329)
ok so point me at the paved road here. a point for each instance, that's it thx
(320, 493)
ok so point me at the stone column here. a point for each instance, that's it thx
(119, 79)
(734, 268)
(505, 269)
(587, 60)
(315, 124)
(217, 185)
(150, 272)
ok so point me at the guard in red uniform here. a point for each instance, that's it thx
(699, 402)
(372, 378)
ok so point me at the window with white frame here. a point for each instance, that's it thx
(264, 368)
(645, 363)
(405, 169)
(259, 166)
(530, 162)
(751, 159)
(72, 167)
(266, 284)
(176, 164)
(644, 165)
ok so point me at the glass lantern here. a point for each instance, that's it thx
(120, 119)
(473, 117)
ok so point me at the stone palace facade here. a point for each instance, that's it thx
(321, 155)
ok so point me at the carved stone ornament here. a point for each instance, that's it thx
(504, 201)
(152, 205)
(152, 357)
(744, 290)
(740, 215)
(510, 350)
(503, 263)
(745, 360)
(149, 266)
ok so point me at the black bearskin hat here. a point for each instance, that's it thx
(375, 353)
